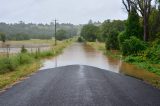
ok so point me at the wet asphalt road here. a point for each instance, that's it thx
(80, 86)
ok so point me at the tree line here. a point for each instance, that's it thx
(138, 35)
(23, 31)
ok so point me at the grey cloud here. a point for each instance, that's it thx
(73, 11)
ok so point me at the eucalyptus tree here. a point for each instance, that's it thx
(143, 7)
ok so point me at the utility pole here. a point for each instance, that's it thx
(55, 31)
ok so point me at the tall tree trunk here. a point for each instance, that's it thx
(145, 28)
(146, 14)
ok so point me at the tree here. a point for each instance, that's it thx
(108, 27)
(154, 23)
(89, 32)
(128, 5)
(61, 34)
(23, 31)
(3, 37)
(90, 22)
(144, 8)
(133, 25)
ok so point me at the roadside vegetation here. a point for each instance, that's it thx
(18, 66)
(135, 40)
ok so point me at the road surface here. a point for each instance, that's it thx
(79, 85)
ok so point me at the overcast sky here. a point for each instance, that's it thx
(66, 11)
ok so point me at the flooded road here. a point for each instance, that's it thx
(82, 85)
(82, 54)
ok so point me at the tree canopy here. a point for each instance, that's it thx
(89, 32)
(23, 31)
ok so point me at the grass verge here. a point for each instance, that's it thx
(17, 67)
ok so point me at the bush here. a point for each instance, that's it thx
(121, 38)
(80, 39)
(132, 46)
(112, 41)
(11, 63)
(153, 52)
(8, 64)
(25, 58)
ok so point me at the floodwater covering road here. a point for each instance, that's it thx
(83, 54)
(81, 84)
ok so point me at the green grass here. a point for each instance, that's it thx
(21, 65)
(9, 78)
(143, 64)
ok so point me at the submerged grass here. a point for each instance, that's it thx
(15, 68)
(101, 47)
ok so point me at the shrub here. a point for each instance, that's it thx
(121, 38)
(8, 64)
(153, 52)
(80, 39)
(11, 63)
(112, 41)
(132, 45)
(25, 58)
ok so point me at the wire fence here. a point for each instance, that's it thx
(12, 50)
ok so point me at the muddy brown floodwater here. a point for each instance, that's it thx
(82, 54)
